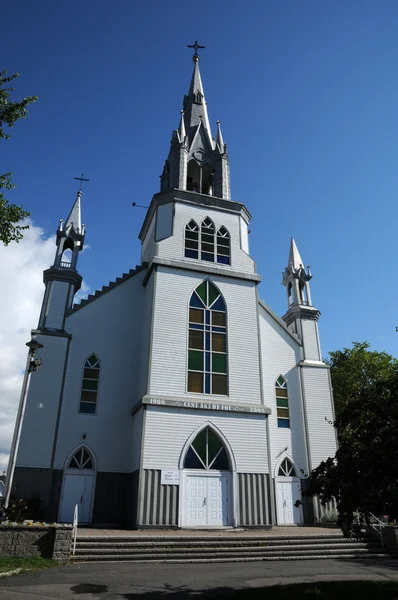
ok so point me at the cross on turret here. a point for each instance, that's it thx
(196, 47)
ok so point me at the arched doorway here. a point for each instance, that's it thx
(78, 486)
(287, 491)
(207, 482)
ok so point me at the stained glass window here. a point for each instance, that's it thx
(81, 460)
(89, 391)
(206, 452)
(287, 469)
(205, 244)
(282, 402)
(207, 341)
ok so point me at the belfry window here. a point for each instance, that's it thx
(207, 240)
(89, 391)
(223, 246)
(282, 402)
(206, 452)
(192, 240)
(81, 460)
(287, 469)
(207, 342)
(206, 244)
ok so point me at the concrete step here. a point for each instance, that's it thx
(208, 539)
(205, 549)
(201, 560)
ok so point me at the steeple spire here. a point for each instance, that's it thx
(195, 107)
(74, 220)
(294, 256)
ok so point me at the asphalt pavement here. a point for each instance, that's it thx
(128, 581)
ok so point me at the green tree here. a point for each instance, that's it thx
(10, 111)
(363, 475)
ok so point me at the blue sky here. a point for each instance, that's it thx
(307, 94)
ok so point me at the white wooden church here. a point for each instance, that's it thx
(174, 396)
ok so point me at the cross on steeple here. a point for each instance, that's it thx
(81, 179)
(196, 47)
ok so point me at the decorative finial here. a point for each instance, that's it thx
(81, 179)
(196, 47)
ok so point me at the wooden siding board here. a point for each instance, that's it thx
(280, 355)
(57, 305)
(310, 337)
(167, 430)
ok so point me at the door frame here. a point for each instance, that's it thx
(285, 479)
(184, 473)
(80, 473)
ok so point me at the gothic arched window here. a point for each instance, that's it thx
(192, 240)
(81, 460)
(206, 452)
(207, 240)
(223, 246)
(282, 402)
(287, 469)
(89, 391)
(207, 344)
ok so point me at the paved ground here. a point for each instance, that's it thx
(225, 533)
(124, 581)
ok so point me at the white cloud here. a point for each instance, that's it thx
(21, 283)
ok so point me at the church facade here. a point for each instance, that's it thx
(174, 397)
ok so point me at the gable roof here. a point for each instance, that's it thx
(281, 323)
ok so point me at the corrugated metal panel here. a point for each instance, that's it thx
(254, 499)
(319, 414)
(310, 339)
(280, 354)
(170, 334)
(173, 247)
(56, 305)
(167, 431)
(111, 327)
(159, 502)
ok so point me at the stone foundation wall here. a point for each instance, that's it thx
(31, 541)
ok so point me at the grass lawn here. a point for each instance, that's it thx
(9, 564)
(325, 590)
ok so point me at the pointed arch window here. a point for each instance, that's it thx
(207, 342)
(192, 240)
(89, 391)
(287, 469)
(207, 240)
(223, 246)
(81, 459)
(207, 452)
(282, 402)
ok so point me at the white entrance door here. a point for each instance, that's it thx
(287, 492)
(206, 501)
(77, 490)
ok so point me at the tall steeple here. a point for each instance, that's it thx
(62, 280)
(197, 162)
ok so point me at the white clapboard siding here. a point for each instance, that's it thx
(149, 246)
(164, 221)
(145, 344)
(173, 247)
(322, 435)
(311, 341)
(280, 355)
(56, 306)
(167, 430)
(170, 334)
(110, 327)
(37, 437)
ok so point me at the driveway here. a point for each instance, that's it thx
(126, 581)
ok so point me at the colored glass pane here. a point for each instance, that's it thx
(90, 384)
(195, 301)
(222, 250)
(219, 363)
(213, 293)
(284, 423)
(221, 463)
(191, 244)
(281, 393)
(219, 342)
(218, 318)
(223, 260)
(283, 412)
(195, 315)
(207, 256)
(91, 373)
(281, 381)
(92, 361)
(218, 304)
(195, 360)
(191, 235)
(88, 407)
(191, 253)
(201, 290)
(282, 402)
(207, 247)
(73, 463)
(200, 445)
(195, 339)
(219, 384)
(195, 382)
(207, 383)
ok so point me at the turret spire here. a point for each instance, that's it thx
(219, 138)
(296, 279)
(294, 256)
(74, 220)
